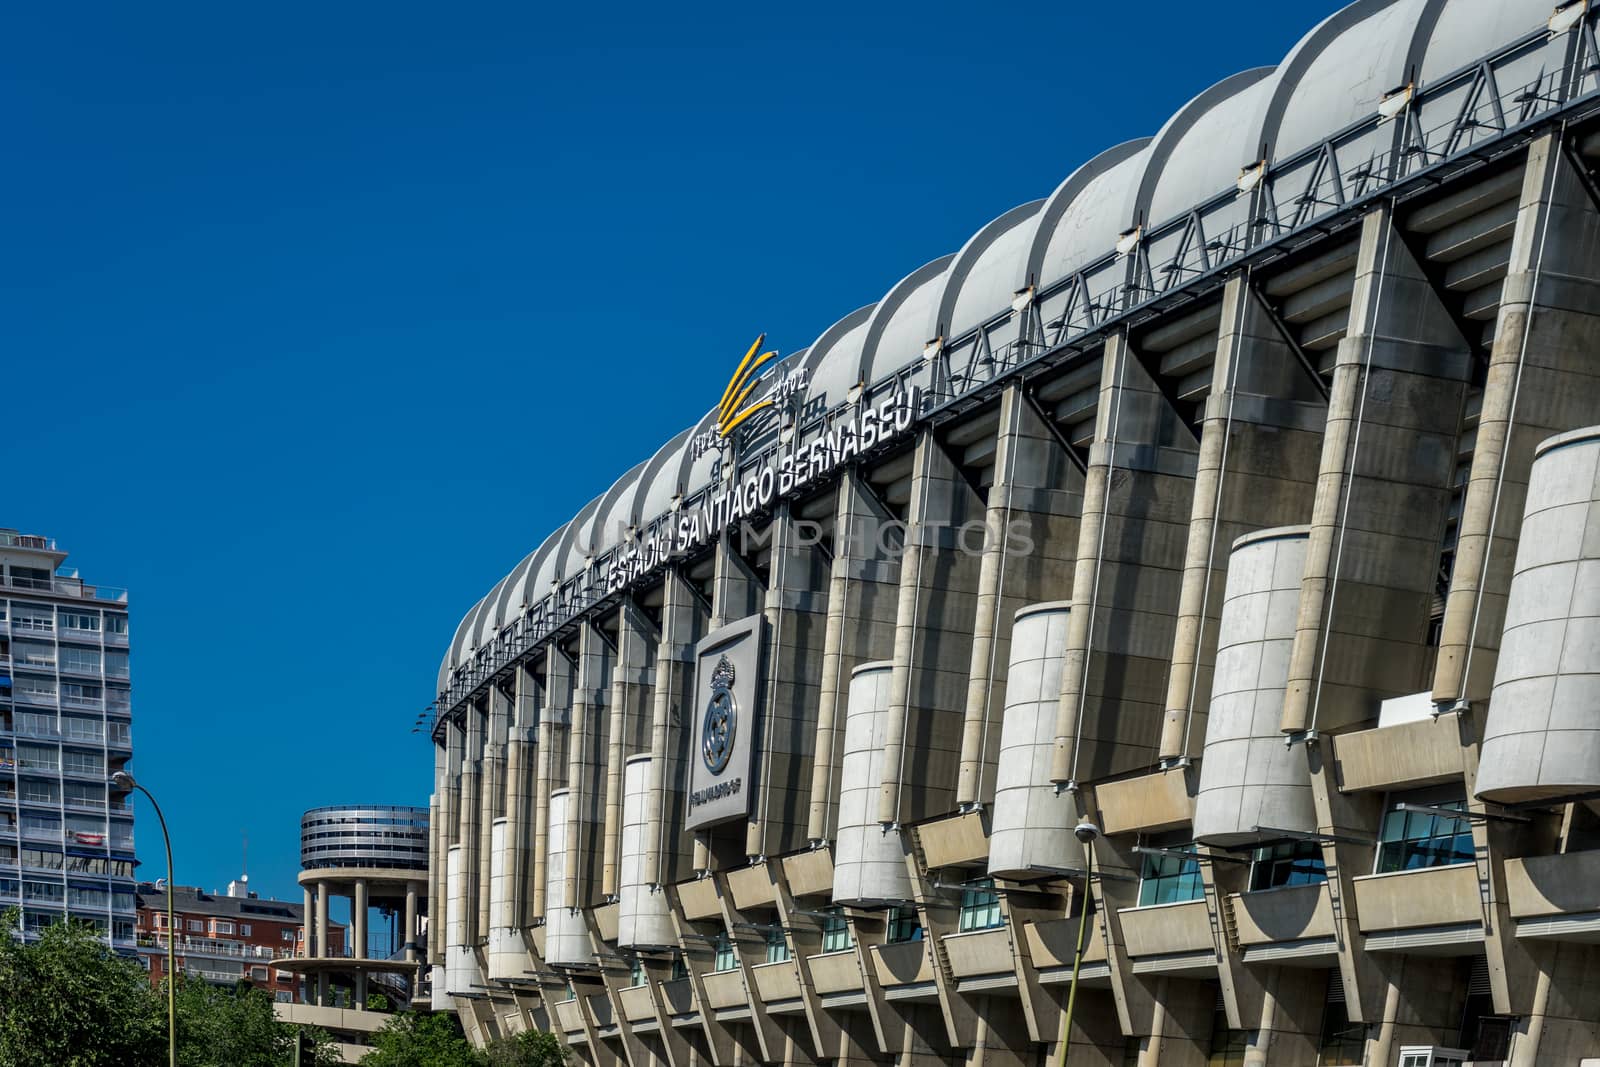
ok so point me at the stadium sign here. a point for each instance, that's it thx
(795, 467)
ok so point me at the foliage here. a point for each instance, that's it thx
(378, 1002)
(531, 1048)
(237, 1028)
(70, 1002)
(415, 1040)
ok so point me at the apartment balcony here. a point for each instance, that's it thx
(724, 989)
(902, 964)
(600, 1010)
(1053, 942)
(809, 873)
(776, 981)
(567, 1017)
(636, 1004)
(1404, 756)
(979, 952)
(1556, 898)
(956, 841)
(1149, 803)
(1169, 938)
(1292, 922)
(835, 972)
(751, 887)
(699, 899)
(1436, 910)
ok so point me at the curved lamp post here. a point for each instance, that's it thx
(124, 780)
(1085, 832)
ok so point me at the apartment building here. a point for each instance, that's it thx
(66, 834)
(1177, 602)
(223, 938)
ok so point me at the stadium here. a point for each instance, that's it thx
(1162, 631)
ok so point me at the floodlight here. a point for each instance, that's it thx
(1022, 299)
(933, 348)
(1128, 240)
(1569, 16)
(1394, 101)
(1250, 177)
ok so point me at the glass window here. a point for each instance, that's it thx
(196, 926)
(80, 660)
(83, 762)
(725, 959)
(117, 664)
(288, 935)
(77, 620)
(117, 624)
(1413, 840)
(637, 978)
(1168, 879)
(904, 925)
(1291, 863)
(836, 934)
(777, 945)
(980, 907)
(244, 929)
(220, 926)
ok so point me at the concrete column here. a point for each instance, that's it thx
(322, 920)
(1541, 381)
(522, 754)
(863, 593)
(358, 906)
(1383, 487)
(1029, 536)
(1137, 501)
(796, 610)
(628, 732)
(497, 724)
(471, 811)
(683, 623)
(411, 920)
(308, 918)
(550, 761)
(584, 754)
(1257, 469)
(936, 604)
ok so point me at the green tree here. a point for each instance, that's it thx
(70, 1002)
(415, 1040)
(237, 1027)
(531, 1048)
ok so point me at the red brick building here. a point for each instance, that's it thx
(225, 938)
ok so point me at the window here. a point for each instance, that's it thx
(725, 960)
(117, 664)
(777, 945)
(244, 929)
(80, 660)
(220, 926)
(82, 729)
(1167, 879)
(83, 762)
(1413, 840)
(637, 977)
(196, 926)
(904, 924)
(117, 624)
(980, 907)
(288, 935)
(38, 757)
(1294, 863)
(75, 620)
(836, 933)
(160, 920)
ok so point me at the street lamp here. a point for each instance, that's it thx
(1086, 832)
(124, 780)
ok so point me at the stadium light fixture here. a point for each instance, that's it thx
(786, 432)
(1250, 177)
(1128, 240)
(1564, 18)
(1394, 101)
(933, 348)
(1022, 299)
(854, 395)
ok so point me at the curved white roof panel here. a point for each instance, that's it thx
(1202, 149)
(1059, 202)
(904, 320)
(1347, 76)
(1466, 29)
(531, 580)
(833, 363)
(1102, 210)
(993, 266)
(659, 482)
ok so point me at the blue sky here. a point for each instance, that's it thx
(317, 319)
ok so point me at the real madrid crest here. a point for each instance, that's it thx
(722, 719)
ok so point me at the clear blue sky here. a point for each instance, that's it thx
(318, 318)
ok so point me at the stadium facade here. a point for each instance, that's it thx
(1239, 498)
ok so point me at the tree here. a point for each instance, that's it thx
(237, 1027)
(531, 1048)
(414, 1040)
(70, 1002)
